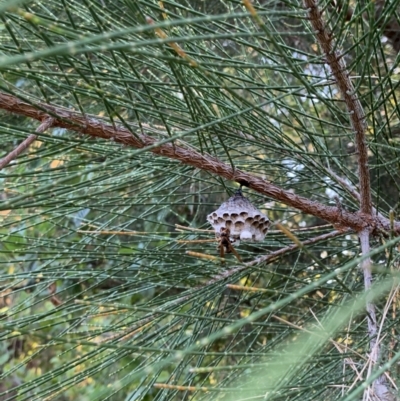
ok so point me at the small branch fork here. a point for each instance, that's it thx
(44, 126)
(265, 259)
(357, 117)
(353, 104)
(362, 221)
(95, 127)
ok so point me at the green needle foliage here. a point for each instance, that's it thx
(99, 299)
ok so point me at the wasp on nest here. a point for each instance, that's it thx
(237, 219)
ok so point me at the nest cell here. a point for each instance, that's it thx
(241, 217)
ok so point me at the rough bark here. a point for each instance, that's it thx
(357, 117)
(93, 126)
(45, 125)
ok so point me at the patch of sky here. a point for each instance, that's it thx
(79, 216)
(292, 167)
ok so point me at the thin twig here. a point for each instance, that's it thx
(185, 228)
(352, 191)
(107, 232)
(356, 113)
(45, 125)
(357, 117)
(342, 348)
(375, 349)
(389, 27)
(228, 273)
(293, 238)
(95, 127)
(272, 256)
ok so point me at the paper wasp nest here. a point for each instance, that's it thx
(241, 217)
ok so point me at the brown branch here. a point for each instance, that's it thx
(357, 118)
(351, 190)
(276, 254)
(95, 127)
(271, 257)
(344, 184)
(353, 104)
(45, 125)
